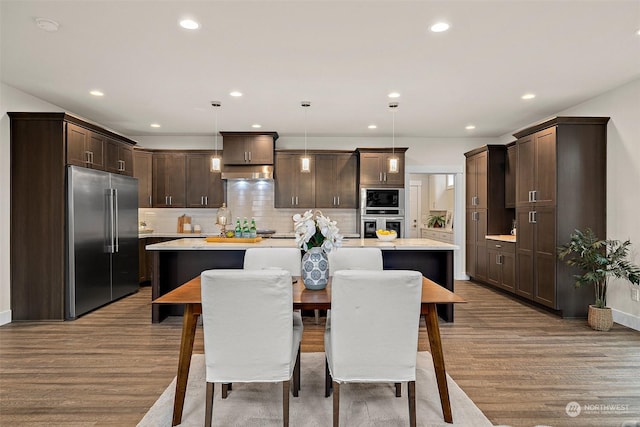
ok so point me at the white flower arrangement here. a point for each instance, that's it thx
(316, 230)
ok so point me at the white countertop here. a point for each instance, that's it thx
(196, 235)
(398, 244)
(502, 237)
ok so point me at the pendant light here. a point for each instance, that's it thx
(305, 161)
(216, 162)
(394, 164)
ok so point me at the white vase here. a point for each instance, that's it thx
(315, 269)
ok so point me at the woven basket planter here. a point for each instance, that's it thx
(600, 319)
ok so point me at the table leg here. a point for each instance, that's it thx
(189, 322)
(431, 318)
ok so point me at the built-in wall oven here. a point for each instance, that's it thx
(381, 208)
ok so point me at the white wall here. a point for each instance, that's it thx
(623, 177)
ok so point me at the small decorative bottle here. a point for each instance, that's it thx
(245, 229)
(253, 232)
(238, 230)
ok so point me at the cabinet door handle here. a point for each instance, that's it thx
(292, 201)
(334, 200)
(206, 200)
(150, 201)
(532, 217)
(201, 200)
(498, 246)
(499, 259)
(385, 177)
(249, 155)
(296, 200)
(380, 177)
(170, 201)
(534, 196)
(338, 200)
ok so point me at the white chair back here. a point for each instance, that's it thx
(247, 318)
(355, 259)
(263, 258)
(374, 325)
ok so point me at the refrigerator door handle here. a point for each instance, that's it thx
(116, 234)
(110, 220)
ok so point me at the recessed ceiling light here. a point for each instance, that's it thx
(528, 96)
(372, 127)
(47, 24)
(256, 125)
(470, 127)
(155, 125)
(394, 95)
(96, 93)
(189, 24)
(638, 32)
(439, 27)
(236, 93)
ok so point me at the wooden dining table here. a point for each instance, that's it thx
(304, 299)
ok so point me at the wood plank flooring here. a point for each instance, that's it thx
(520, 365)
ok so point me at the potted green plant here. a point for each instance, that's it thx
(599, 260)
(436, 221)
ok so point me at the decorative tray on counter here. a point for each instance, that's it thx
(218, 239)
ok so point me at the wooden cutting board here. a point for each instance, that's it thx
(233, 239)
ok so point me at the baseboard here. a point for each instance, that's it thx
(5, 317)
(626, 319)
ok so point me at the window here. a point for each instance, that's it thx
(450, 181)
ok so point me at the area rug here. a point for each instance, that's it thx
(370, 405)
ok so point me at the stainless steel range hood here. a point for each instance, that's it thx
(252, 172)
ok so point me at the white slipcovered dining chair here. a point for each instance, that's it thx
(374, 330)
(355, 259)
(263, 258)
(239, 349)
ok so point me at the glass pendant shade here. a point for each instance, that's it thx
(305, 164)
(216, 164)
(394, 165)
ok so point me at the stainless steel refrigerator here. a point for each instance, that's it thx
(102, 239)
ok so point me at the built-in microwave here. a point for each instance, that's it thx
(382, 201)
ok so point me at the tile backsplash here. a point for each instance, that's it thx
(244, 199)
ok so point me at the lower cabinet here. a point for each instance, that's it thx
(440, 236)
(145, 258)
(501, 264)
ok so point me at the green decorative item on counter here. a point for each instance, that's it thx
(599, 260)
(436, 221)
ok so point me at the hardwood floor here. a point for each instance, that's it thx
(520, 365)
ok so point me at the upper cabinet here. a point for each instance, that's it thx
(169, 180)
(143, 170)
(374, 167)
(248, 148)
(293, 188)
(536, 166)
(204, 187)
(84, 147)
(119, 157)
(336, 174)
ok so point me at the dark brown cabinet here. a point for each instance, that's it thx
(501, 264)
(143, 170)
(485, 207)
(335, 178)
(119, 157)
(374, 167)
(204, 187)
(293, 188)
(169, 180)
(560, 187)
(536, 166)
(42, 145)
(84, 147)
(510, 175)
(248, 148)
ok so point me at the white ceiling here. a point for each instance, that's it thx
(343, 57)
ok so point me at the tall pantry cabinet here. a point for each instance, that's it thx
(560, 187)
(485, 205)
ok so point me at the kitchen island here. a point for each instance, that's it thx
(177, 261)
